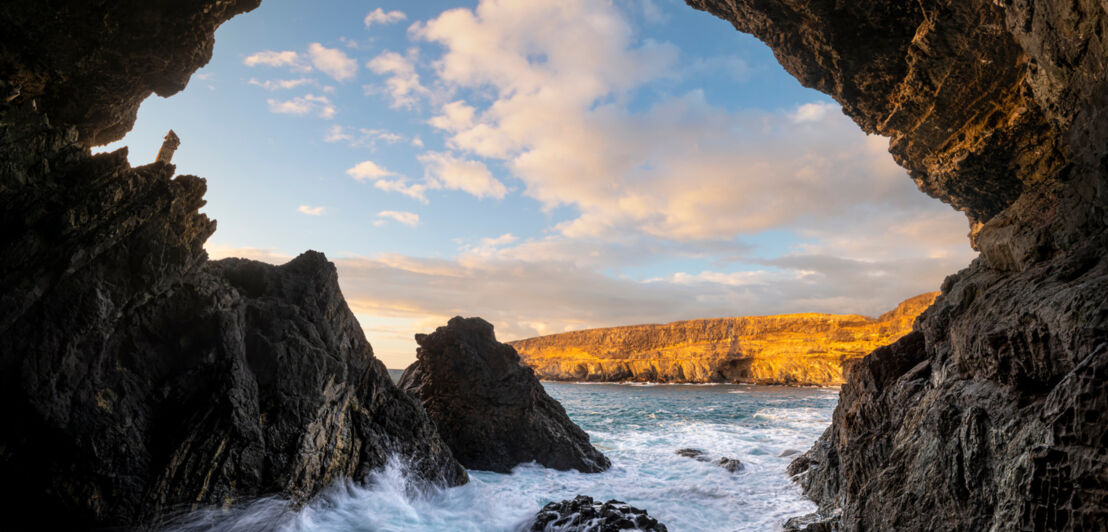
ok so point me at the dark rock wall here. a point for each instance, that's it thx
(91, 63)
(489, 408)
(991, 414)
(139, 379)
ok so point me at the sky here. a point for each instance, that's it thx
(548, 165)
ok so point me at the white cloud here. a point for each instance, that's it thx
(332, 61)
(337, 133)
(443, 170)
(410, 219)
(559, 76)
(491, 246)
(415, 190)
(303, 105)
(368, 170)
(455, 116)
(380, 16)
(403, 84)
(361, 137)
(813, 112)
(270, 58)
(527, 296)
(311, 211)
(282, 84)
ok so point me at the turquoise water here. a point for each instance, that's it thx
(638, 427)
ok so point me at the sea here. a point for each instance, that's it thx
(639, 427)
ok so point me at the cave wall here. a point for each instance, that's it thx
(990, 414)
(140, 380)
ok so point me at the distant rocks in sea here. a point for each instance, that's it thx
(583, 514)
(733, 465)
(492, 411)
(695, 454)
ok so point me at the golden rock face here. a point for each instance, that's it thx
(801, 349)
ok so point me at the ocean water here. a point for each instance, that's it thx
(639, 427)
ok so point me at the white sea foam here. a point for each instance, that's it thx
(639, 429)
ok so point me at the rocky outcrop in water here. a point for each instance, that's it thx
(491, 410)
(138, 378)
(732, 465)
(804, 349)
(583, 514)
(990, 416)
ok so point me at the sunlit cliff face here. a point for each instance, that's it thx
(784, 349)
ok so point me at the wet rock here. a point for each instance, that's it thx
(988, 415)
(788, 452)
(813, 522)
(696, 454)
(140, 379)
(583, 514)
(732, 465)
(493, 412)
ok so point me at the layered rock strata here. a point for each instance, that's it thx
(990, 415)
(491, 410)
(139, 379)
(805, 349)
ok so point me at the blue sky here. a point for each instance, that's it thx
(548, 165)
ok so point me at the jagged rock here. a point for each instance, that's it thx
(732, 465)
(788, 452)
(794, 349)
(813, 522)
(990, 415)
(583, 514)
(490, 410)
(138, 378)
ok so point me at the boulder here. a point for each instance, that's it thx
(493, 412)
(732, 465)
(583, 514)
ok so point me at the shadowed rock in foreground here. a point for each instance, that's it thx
(138, 378)
(583, 514)
(797, 349)
(490, 410)
(991, 414)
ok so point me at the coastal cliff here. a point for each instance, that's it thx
(804, 349)
(138, 378)
(990, 414)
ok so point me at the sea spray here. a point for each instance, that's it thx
(639, 428)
